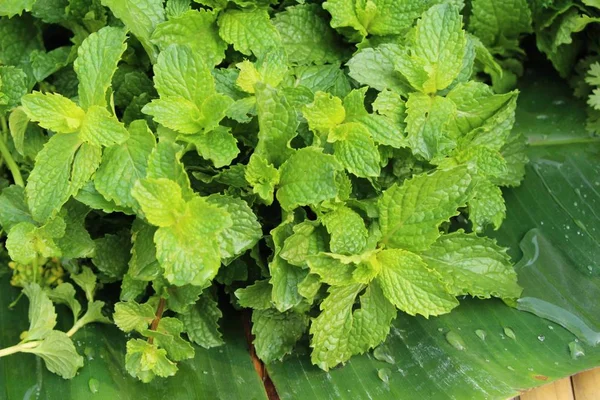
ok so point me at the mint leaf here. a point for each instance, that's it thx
(65, 294)
(473, 265)
(49, 186)
(87, 281)
(250, 31)
(146, 361)
(201, 322)
(493, 22)
(407, 282)
(256, 296)
(307, 177)
(308, 239)
(196, 28)
(42, 317)
(143, 264)
(167, 336)
(355, 149)
(123, 165)
(409, 215)
(59, 354)
(131, 316)
(100, 128)
(347, 230)
(324, 113)
(96, 63)
(217, 145)
(262, 177)
(53, 111)
(276, 333)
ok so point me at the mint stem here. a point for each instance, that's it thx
(156, 320)
(8, 158)
(19, 347)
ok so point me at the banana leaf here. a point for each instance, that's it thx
(485, 349)
(482, 350)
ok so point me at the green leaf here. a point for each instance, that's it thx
(262, 176)
(331, 269)
(250, 31)
(493, 22)
(331, 341)
(245, 231)
(165, 162)
(167, 336)
(355, 149)
(160, 200)
(96, 63)
(131, 316)
(270, 68)
(65, 294)
(59, 354)
(256, 296)
(42, 317)
(376, 67)
(306, 36)
(415, 289)
(76, 242)
(87, 281)
(48, 186)
(201, 322)
(347, 230)
(473, 265)
(17, 123)
(278, 124)
(13, 208)
(427, 120)
(143, 264)
(12, 8)
(100, 128)
(487, 206)
(53, 111)
(324, 113)
(123, 165)
(196, 28)
(146, 361)
(141, 17)
(308, 239)
(276, 333)
(85, 163)
(217, 145)
(112, 254)
(307, 177)
(13, 85)
(45, 64)
(409, 215)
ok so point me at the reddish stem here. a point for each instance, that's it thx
(156, 320)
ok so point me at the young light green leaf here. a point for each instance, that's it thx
(167, 336)
(160, 200)
(376, 67)
(85, 163)
(407, 282)
(262, 176)
(53, 111)
(331, 269)
(145, 361)
(87, 281)
(12, 8)
(65, 294)
(324, 113)
(217, 145)
(276, 333)
(17, 123)
(355, 149)
(409, 215)
(201, 322)
(308, 239)
(96, 63)
(473, 265)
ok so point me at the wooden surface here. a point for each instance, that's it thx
(583, 386)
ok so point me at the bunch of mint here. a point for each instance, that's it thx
(325, 165)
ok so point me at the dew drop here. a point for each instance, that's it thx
(510, 368)
(576, 350)
(541, 338)
(455, 340)
(510, 333)
(384, 374)
(550, 327)
(94, 385)
(381, 355)
(480, 334)
(89, 353)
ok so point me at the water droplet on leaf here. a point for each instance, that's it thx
(576, 350)
(94, 385)
(455, 340)
(380, 354)
(541, 338)
(510, 333)
(480, 334)
(384, 374)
